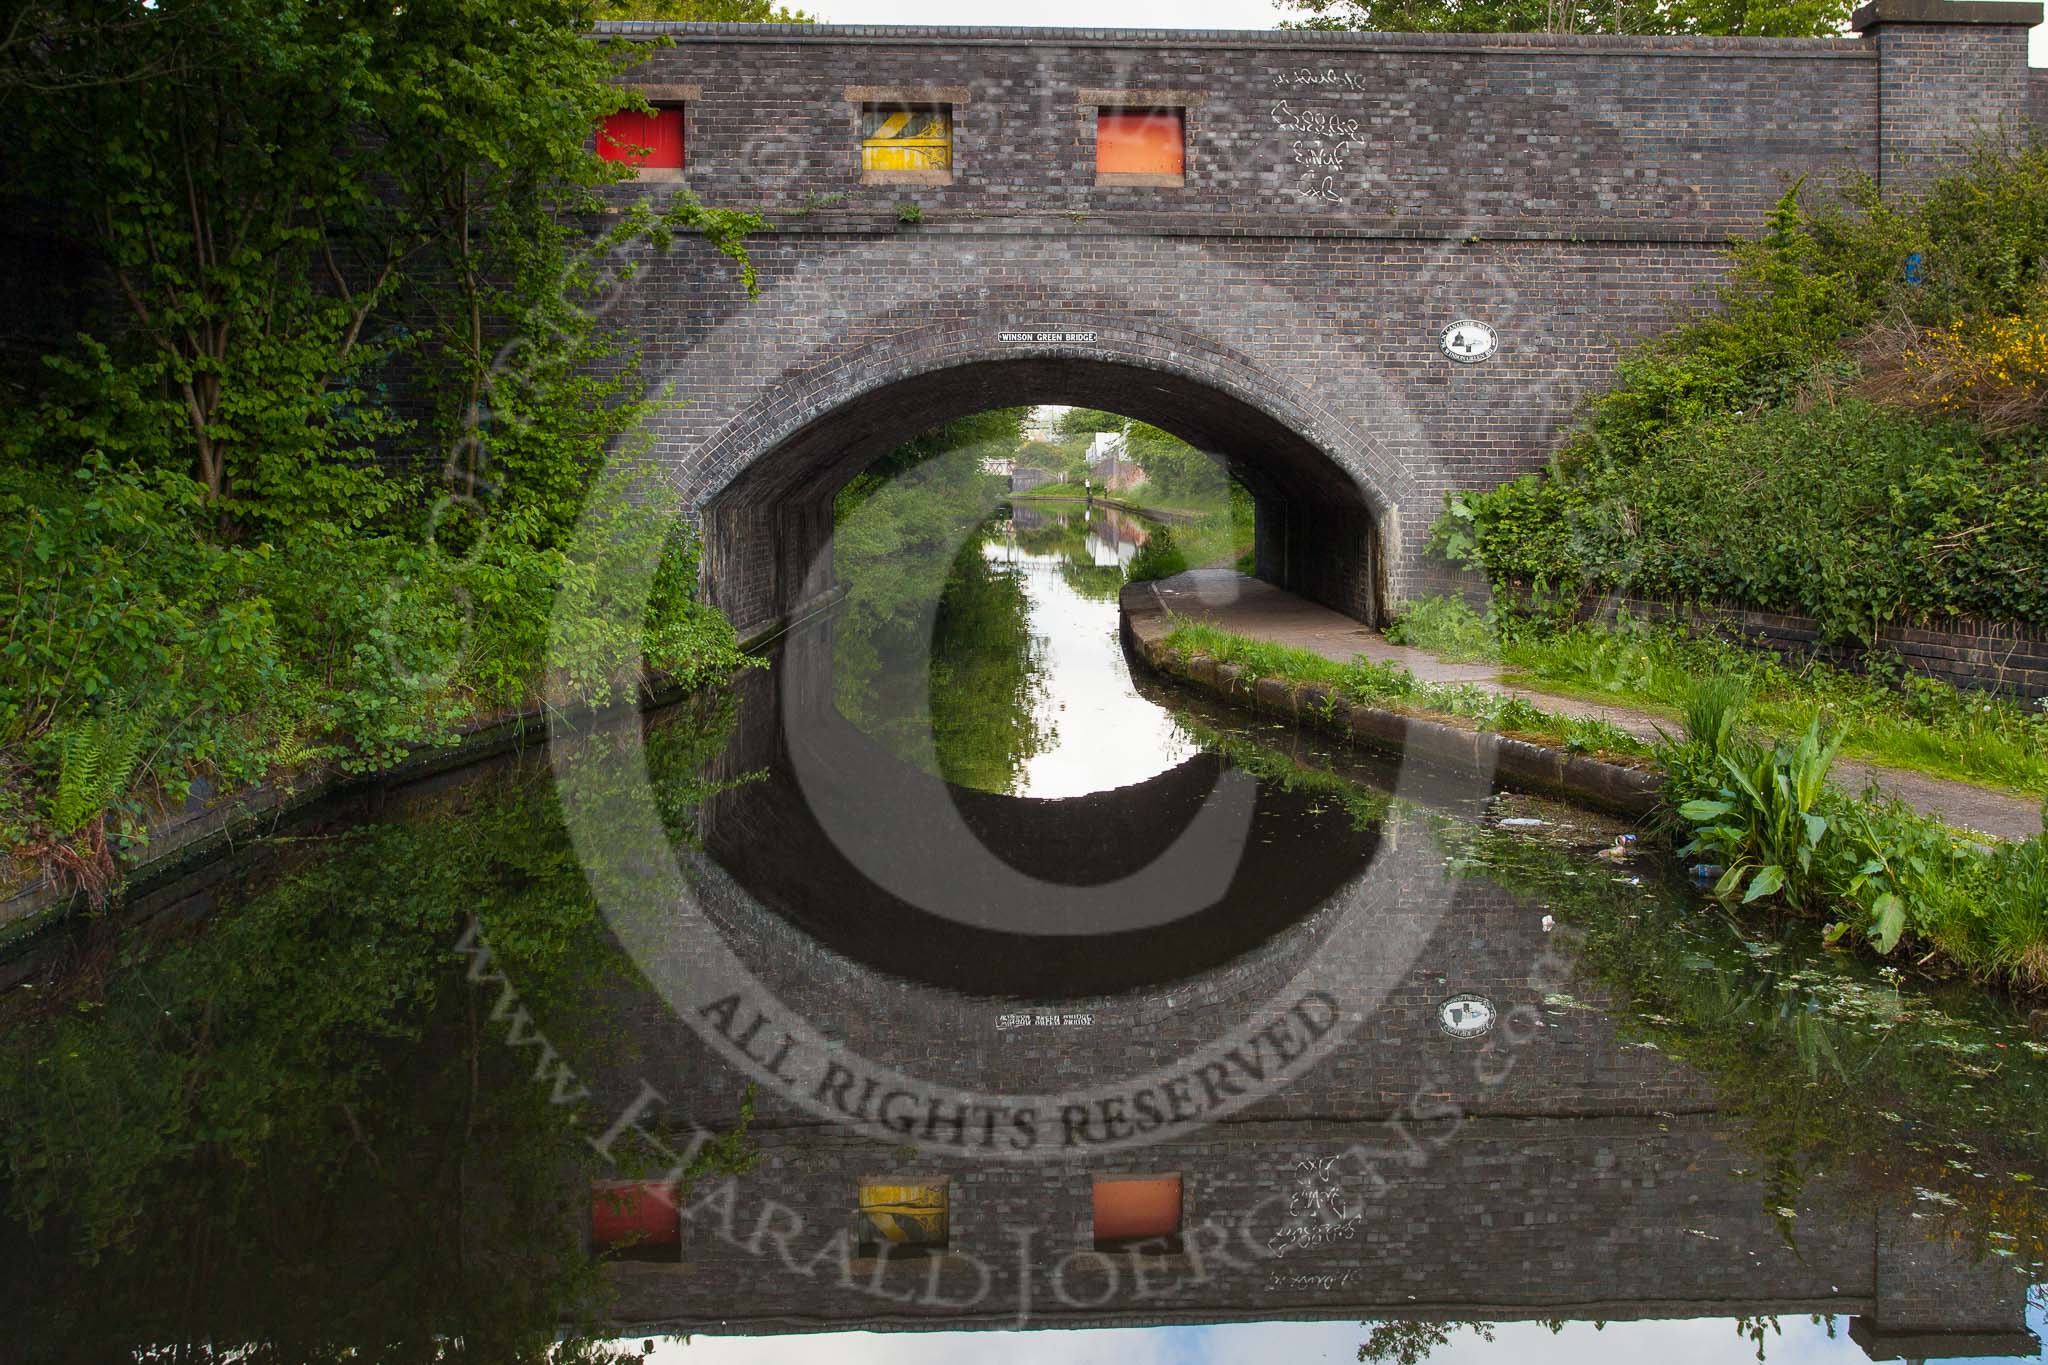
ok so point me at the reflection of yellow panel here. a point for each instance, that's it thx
(908, 1215)
(900, 139)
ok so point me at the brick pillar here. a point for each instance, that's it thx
(1948, 71)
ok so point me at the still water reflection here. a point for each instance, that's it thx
(296, 1113)
(1100, 734)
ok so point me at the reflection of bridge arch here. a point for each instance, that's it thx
(1326, 491)
(766, 835)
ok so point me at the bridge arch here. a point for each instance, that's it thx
(1327, 494)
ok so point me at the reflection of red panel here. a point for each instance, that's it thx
(1140, 142)
(637, 1212)
(1130, 1209)
(660, 132)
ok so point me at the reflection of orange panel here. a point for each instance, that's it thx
(1140, 142)
(653, 140)
(639, 1213)
(1127, 1209)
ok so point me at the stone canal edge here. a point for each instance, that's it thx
(1613, 787)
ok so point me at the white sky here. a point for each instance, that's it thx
(1101, 14)
(1708, 1341)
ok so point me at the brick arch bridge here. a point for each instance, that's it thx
(1343, 198)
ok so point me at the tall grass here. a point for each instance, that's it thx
(1885, 717)
(1713, 710)
(1447, 626)
(1393, 687)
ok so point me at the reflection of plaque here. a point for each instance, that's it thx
(1466, 1016)
(905, 1216)
(1469, 341)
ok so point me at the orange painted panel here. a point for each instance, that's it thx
(1127, 1209)
(628, 131)
(641, 1213)
(1140, 141)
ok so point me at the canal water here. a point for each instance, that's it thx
(982, 982)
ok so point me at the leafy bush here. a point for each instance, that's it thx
(1447, 626)
(1158, 557)
(140, 654)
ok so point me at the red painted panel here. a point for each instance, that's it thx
(1142, 141)
(640, 1212)
(660, 133)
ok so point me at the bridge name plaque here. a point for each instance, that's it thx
(1070, 338)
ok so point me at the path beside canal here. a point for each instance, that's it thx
(1246, 606)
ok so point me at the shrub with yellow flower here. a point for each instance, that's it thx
(1993, 369)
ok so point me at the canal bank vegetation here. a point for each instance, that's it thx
(296, 489)
(1759, 816)
(1883, 714)
(1855, 433)
(1767, 824)
(312, 1124)
(1928, 1094)
(1391, 687)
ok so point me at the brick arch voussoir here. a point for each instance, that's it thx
(836, 379)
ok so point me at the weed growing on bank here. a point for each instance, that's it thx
(1766, 822)
(149, 661)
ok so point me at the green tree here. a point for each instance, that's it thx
(303, 203)
(1173, 466)
(349, 334)
(703, 11)
(1756, 18)
(1088, 421)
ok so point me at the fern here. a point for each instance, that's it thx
(96, 757)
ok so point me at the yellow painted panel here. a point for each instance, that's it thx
(899, 139)
(909, 1215)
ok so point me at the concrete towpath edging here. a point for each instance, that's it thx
(1610, 786)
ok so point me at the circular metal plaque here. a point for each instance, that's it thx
(1466, 1016)
(1469, 341)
